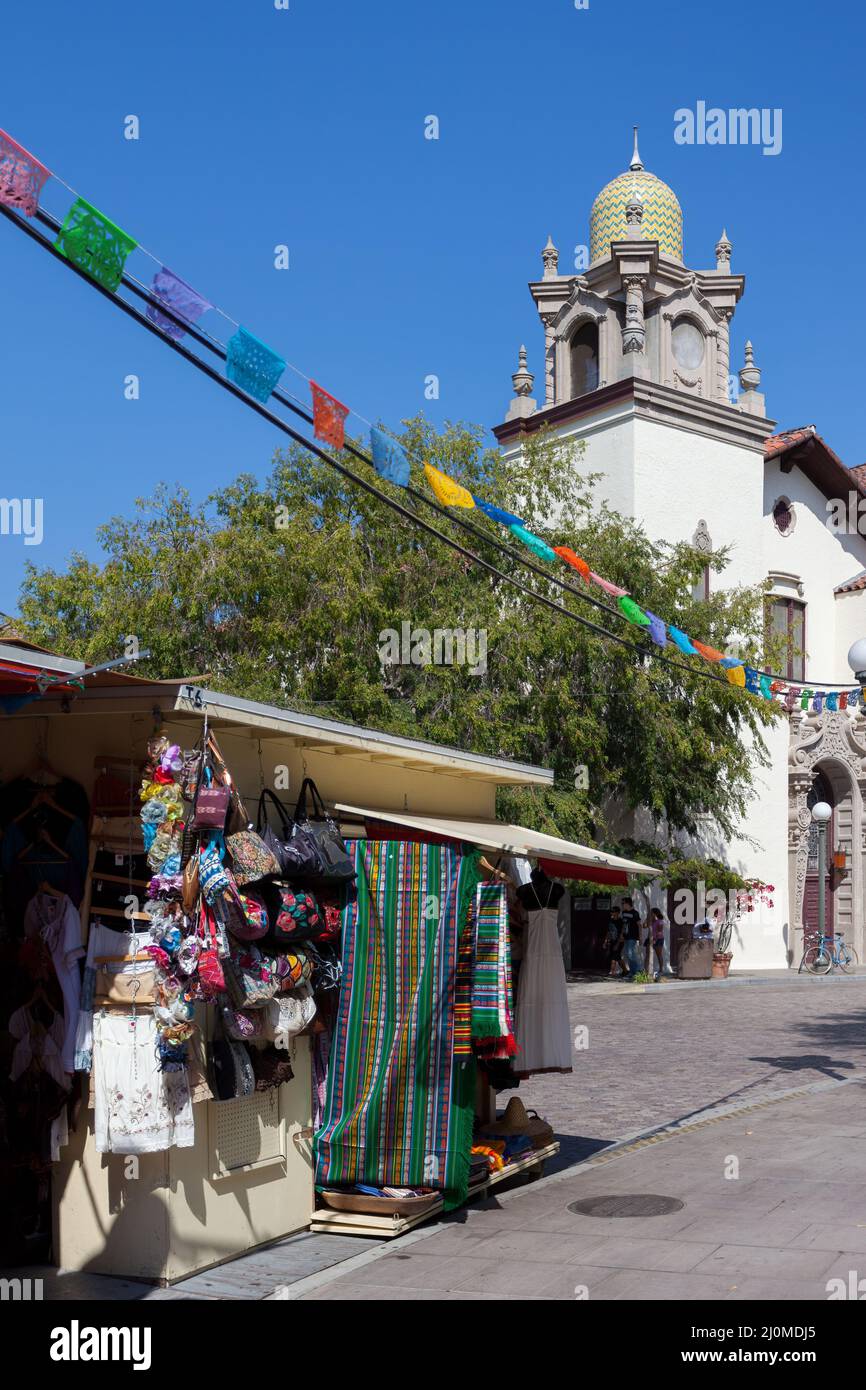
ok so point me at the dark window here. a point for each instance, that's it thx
(584, 360)
(786, 618)
(783, 516)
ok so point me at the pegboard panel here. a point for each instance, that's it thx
(246, 1132)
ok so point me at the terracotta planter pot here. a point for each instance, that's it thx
(721, 964)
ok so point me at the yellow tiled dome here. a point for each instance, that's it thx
(662, 215)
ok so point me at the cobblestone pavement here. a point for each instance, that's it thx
(654, 1058)
(767, 1205)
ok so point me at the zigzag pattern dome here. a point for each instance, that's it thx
(662, 215)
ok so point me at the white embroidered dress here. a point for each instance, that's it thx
(543, 1031)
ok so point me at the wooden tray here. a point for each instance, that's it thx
(364, 1205)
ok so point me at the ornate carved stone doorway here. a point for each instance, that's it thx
(827, 758)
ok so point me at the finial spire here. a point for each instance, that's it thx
(751, 399)
(636, 161)
(522, 403)
(723, 253)
(550, 258)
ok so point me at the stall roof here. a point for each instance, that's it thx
(333, 736)
(508, 839)
(115, 692)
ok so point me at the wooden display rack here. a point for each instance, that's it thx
(346, 1223)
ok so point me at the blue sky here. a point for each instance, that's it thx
(408, 256)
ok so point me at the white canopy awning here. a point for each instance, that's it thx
(506, 839)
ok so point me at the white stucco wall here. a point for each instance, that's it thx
(670, 478)
(822, 558)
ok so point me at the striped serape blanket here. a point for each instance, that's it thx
(492, 1024)
(399, 1106)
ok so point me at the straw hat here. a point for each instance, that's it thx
(518, 1120)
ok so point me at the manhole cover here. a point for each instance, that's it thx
(640, 1204)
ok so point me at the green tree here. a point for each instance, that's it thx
(282, 591)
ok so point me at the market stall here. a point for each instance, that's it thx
(149, 1139)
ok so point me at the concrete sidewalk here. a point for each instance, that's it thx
(614, 984)
(773, 1207)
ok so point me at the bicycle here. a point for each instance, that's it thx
(819, 960)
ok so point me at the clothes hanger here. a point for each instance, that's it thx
(43, 835)
(46, 887)
(43, 798)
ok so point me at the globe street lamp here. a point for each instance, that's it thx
(821, 813)
(857, 661)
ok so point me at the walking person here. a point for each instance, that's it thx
(615, 941)
(657, 928)
(632, 925)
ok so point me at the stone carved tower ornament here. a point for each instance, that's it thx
(701, 540)
(833, 743)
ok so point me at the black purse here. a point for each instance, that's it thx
(294, 848)
(337, 867)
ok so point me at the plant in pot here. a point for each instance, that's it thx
(749, 898)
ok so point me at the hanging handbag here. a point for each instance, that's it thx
(295, 915)
(232, 1075)
(190, 890)
(251, 978)
(287, 1015)
(211, 802)
(210, 971)
(295, 849)
(190, 772)
(293, 968)
(270, 1069)
(252, 860)
(245, 916)
(336, 865)
(327, 966)
(243, 1024)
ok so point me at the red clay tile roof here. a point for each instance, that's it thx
(851, 586)
(806, 448)
(778, 443)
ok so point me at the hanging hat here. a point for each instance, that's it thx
(518, 1120)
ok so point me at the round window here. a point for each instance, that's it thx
(688, 344)
(783, 516)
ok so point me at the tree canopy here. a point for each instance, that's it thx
(282, 590)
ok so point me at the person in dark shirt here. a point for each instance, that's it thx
(631, 921)
(615, 940)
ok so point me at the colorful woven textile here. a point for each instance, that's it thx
(329, 417)
(399, 1109)
(252, 365)
(21, 176)
(491, 904)
(463, 988)
(492, 1020)
(178, 296)
(94, 244)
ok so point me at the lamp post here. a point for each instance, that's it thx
(857, 661)
(821, 813)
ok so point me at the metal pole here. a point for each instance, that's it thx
(822, 873)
